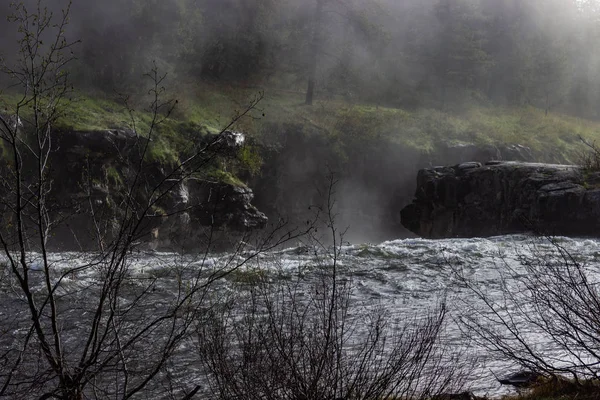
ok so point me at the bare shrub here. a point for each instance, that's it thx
(590, 158)
(547, 317)
(90, 325)
(301, 335)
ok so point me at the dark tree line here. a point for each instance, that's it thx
(432, 53)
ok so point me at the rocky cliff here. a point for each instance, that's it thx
(92, 169)
(98, 179)
(495, 198)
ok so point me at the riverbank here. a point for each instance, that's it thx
(375, 150)
(559, 389)
(209, 108)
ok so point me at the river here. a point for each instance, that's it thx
(405, 277)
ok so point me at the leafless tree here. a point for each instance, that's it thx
(110, 333)
(589, 158)
(547, 317)
(302, 336)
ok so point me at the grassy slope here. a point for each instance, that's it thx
(207, 109)
(420, 129)
(423, 128)
(85, 112)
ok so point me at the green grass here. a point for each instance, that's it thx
(83, 112)
(552, 138)
(87, 113)
(113, 176)
(205, 108)
(219, 175)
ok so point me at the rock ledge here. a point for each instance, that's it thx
(475, 200)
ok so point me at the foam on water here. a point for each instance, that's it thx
(406, 277)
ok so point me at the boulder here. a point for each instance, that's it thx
(521, 379)
(199, 206)
(232, 140)
(474, 200)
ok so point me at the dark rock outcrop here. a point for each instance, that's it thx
(91, 173)
(471, 199)
(521, 379)
(197, 206)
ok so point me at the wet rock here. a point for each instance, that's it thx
(224, 205)
(110, 142)
(469, 165)
(95, 170)
(460, 152)
(200, 206)
(232, 139)
(13, 121)
(470, 200)
(521, 379)
(376, 177)
(516, 152)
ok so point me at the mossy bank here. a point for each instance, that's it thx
(374, 151)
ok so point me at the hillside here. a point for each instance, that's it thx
(207, 109)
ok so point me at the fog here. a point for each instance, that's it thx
(445, 55)
(398, 53)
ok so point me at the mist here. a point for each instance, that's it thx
(443, 55)
(409, 53)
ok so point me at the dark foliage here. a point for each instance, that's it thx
(436, 53)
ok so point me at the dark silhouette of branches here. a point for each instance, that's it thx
(547, 318)
(301, 335)
(111, 334)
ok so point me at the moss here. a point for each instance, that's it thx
(216, 174)
(98, 113)
(157, 211)
(250, 159)
(161, 153)
(350, 128)
(113, 176)
(590, 179)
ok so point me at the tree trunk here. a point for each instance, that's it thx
(314, 50)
